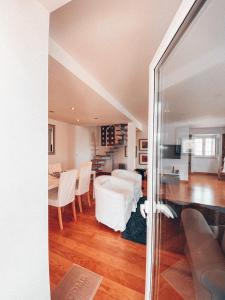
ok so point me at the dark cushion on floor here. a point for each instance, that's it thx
(136, 227)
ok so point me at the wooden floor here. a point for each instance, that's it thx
(201, 189)
(99, 249)
(121, 262)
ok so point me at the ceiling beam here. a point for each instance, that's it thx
(52, 5)
(65, 59)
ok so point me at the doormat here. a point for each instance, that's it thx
(180, 278)
(78, 284)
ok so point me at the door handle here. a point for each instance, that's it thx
(145, 209)
(165, 209)
(142, 210)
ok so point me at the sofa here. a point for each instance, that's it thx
(206, 256)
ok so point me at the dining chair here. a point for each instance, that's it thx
(83, 185)
(54, 168)
(64, 194)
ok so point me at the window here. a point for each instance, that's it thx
(204, 146)
(186, 145)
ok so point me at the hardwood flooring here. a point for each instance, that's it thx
(99, 249)
(201, 189)
(121, 262)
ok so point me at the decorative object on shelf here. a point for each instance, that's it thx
(113, 138)
(107, 135)
(112, 135)
(125, 151)
(143, 158)
(51, 139)
(143, 144)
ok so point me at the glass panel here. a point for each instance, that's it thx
(190, 249)
(198, 147)
(210, 147)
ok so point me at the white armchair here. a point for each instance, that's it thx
(132, 177)
(114, 199)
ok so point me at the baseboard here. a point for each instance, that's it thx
(103, 173)
(203, 173)
(184, 181)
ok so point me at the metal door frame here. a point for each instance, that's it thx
(184, 16)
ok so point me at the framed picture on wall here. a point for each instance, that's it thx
(51, 139)
(125, 151)
(143, 158)
(143, 144)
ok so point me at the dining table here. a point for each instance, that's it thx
(53, 181)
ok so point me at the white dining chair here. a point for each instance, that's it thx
(54, 168)
(64, 194)
(93, 176)
(83, 185)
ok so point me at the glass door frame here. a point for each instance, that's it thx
(184, 16)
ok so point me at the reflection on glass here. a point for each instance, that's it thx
(190, 256)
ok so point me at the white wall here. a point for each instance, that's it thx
(73, 144)
(23, 135)
(84, 144)
(64, 144)
(119, 157)
(173, 135)
(208, 165)
(131, 146)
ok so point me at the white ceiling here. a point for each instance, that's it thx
(114, 41)
(67, 91)
(194, 73)
(52, 5)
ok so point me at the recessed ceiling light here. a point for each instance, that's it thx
(78, 120)
(73, 108)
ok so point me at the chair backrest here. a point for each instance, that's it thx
(113, 183)
(126, 174)
(54, 168)
(67, 184)
(84, 178)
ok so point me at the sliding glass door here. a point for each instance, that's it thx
(187, 212)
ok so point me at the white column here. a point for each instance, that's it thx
(24, 158)
(131, 146)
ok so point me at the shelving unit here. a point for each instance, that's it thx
(113, 137)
